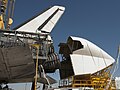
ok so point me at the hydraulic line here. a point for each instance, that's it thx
(44, 75)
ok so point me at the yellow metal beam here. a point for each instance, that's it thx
(1, 22)
(36, 69)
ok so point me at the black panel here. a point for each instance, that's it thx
(66, 69)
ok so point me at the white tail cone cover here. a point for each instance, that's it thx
(89, 59)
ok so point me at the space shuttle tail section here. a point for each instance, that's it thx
(44, 22)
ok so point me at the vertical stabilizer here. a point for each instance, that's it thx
(43, 22)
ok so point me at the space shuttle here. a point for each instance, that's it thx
(19, 66)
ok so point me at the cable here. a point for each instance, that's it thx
(44, 75)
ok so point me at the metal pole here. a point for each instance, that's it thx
(36, 69)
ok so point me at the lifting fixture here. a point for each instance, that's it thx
(6, 13)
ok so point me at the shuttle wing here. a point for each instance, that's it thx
(43, 22)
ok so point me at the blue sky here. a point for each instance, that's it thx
(95, 20)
